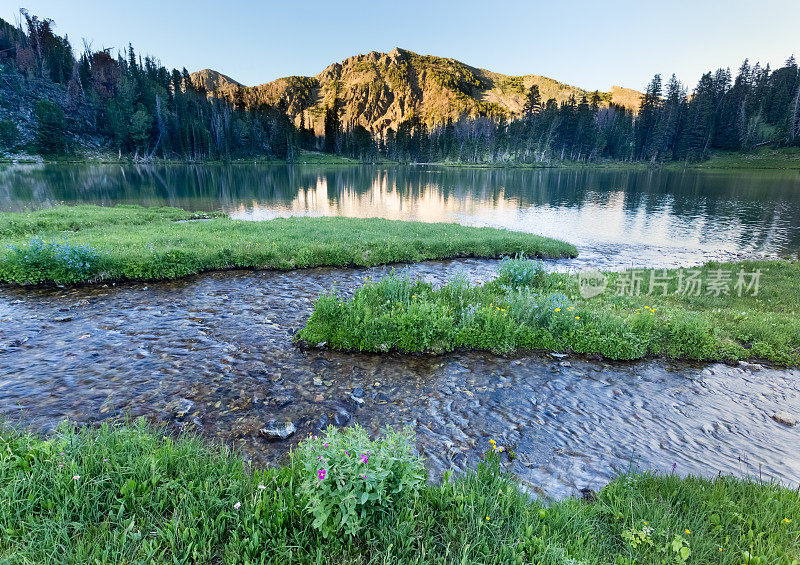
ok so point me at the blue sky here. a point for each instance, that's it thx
(588, 44)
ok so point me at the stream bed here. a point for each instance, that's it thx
(212, 353)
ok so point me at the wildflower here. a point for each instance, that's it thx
(106, 459)
(261, 487)
(237, 506)
(786, 520)
(688, 531)
(364, 476)
(577, 317)
(558, 310)
(364, 459)
(492, 442)
(326, 445)
(487, 517)
(321, 474)
(76, 477)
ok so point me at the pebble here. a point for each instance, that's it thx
(275, 430)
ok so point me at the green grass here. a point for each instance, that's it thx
(316, 158)
(92, 243)
(762, 158)
(129, 494)
(525, 307)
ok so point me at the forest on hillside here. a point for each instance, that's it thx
(56, 100)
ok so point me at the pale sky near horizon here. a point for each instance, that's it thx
(588, 44)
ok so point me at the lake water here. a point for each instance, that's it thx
(212, 353)
(664, 217)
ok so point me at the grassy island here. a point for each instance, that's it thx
(734, 311)
(131, 494)
(92, 243)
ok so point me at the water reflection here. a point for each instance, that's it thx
(686, 214)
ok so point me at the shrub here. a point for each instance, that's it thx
(520, 271)
(39, 260)
(691, 336)
(347, 480)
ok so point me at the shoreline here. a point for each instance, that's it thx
(782, 159)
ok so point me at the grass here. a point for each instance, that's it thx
(526, 307)
(92, 243)
(784, 158)
(762, 158)
(124, 494)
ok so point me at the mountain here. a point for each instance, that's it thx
(212, 81)
(380, 90)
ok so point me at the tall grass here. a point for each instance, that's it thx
(124, 494)
(526, 307)
(130, 242)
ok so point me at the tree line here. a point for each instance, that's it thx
(139, 108)
(137, 105)
(758, 107)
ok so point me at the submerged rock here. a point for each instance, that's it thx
(275, 430)
(279, 401)
(785, 418)
(179, 407)
(342, 417)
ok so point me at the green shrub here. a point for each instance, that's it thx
(40, 260)
(347, 480)
(521, 272)
(690, 336)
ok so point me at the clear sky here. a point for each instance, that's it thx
(591, 44)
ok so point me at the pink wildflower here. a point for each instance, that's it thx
(321, 474)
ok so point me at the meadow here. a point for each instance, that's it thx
(82, 244)
(737, 314)
(129, 493)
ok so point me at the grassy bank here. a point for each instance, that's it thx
(131, 494)
(784, 158)
(92, 243)
(526, 307)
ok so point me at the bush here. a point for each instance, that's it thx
(39, 260)
(347, 480)
(519, 272)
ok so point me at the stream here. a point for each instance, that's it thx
(213, 354)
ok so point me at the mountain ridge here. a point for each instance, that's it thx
(380, 90)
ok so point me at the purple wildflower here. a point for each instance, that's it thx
(321, 474)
